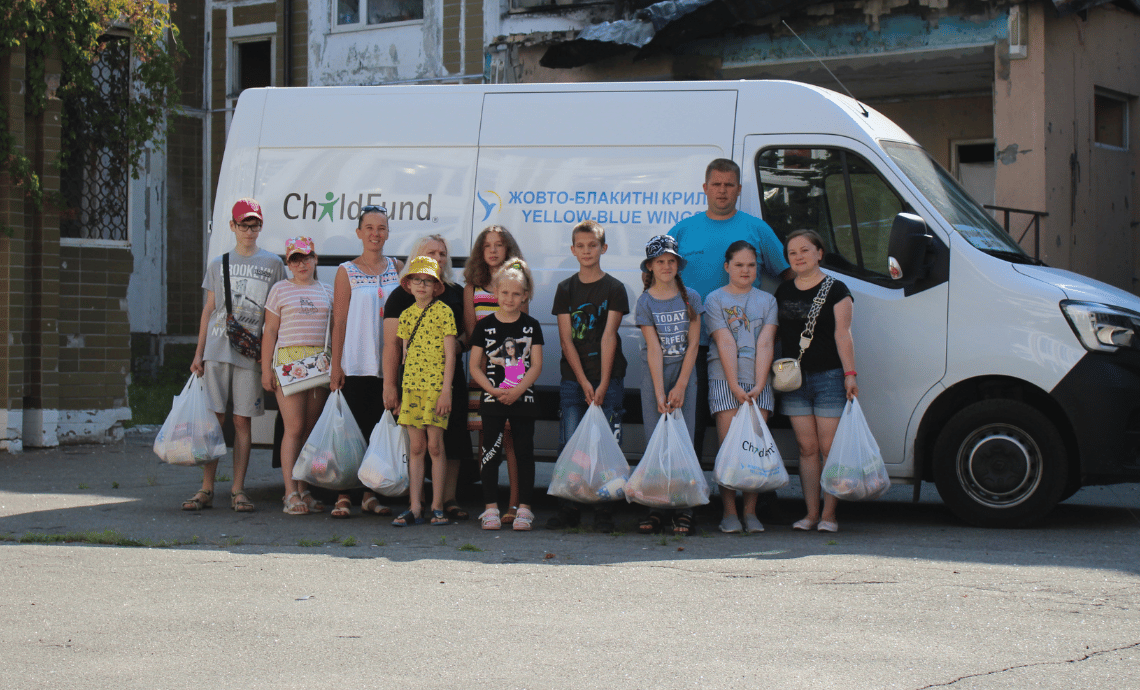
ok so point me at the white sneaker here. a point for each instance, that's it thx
(730, 525)
(752, 524)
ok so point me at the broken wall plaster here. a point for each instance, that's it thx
(904, 33)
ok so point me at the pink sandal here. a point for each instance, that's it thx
(490, 519)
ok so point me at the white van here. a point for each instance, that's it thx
(1007, 383)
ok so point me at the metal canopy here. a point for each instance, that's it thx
(661, 26)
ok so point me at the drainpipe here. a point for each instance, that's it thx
(288, 12)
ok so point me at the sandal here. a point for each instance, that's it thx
(407, 518)
(523, 520)
(195, 503)
(454, 511)
(372, 505)
(240, 502)
(342, 508)
(650, 525)
(438, 517)
(490, 519)
(311, 502)
(297, 507)
(682, 525)
(509, 516)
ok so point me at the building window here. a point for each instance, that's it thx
(1110, 119)
(254, 65)
(362, 12)
(95, 178)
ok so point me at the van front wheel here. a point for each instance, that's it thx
(1000, 463)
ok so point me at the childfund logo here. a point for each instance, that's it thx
(301, 206)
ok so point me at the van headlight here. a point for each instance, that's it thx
(1102, 328)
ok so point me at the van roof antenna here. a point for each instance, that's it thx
(821, 62)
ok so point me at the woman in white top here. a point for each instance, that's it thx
(296, 324)
(361, 287)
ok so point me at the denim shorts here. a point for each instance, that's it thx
(822, 394)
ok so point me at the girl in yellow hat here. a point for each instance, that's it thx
(428, 332)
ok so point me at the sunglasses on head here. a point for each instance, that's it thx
(373, 209)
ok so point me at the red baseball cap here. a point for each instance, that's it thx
(244, 208)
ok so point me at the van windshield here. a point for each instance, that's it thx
(971, 221)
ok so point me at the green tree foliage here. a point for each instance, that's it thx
(77, 31)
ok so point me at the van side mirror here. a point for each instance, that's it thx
(909, 242)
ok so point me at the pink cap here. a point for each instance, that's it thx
(299, 245)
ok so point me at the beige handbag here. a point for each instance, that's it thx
(786, 373)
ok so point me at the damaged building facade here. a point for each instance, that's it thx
(1031, 105)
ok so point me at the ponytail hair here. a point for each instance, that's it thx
(515, 269)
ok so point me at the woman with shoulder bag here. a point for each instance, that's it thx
(296, 332)
(822, 336)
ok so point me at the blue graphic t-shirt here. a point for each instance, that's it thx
(744, 316)
(671, 319)
(588, 305)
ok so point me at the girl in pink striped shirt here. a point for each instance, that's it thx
(296, 322)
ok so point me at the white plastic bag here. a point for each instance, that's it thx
(385, 466)
(591, 468)
(669, 474)
(191, 434)
(332, 454)
(854, 470)
(749, 460)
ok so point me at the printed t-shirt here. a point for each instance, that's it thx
(671, 319)
(744, 316)
(795, 305)
(303, 310)
(401, 299)
(423, 368)
(508, 348)
(588, 305)
(251, 278)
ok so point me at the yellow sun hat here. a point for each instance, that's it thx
(424, 266)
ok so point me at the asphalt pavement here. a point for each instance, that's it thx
(904, 596)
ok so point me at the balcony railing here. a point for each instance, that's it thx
(1034, 225)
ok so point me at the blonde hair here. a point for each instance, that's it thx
(515, 269)
(476, 272)
(445, 272)
(589, 227)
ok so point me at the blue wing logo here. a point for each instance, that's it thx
(489, 206)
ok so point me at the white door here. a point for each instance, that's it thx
(841, 189)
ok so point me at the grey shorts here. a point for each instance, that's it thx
(721, 397)
(224, 382)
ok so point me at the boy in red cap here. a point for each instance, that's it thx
(240, 280)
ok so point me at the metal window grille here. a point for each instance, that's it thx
(94, 182)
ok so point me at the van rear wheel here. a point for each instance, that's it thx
(1000, 463)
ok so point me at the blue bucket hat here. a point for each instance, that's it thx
(662, 244)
